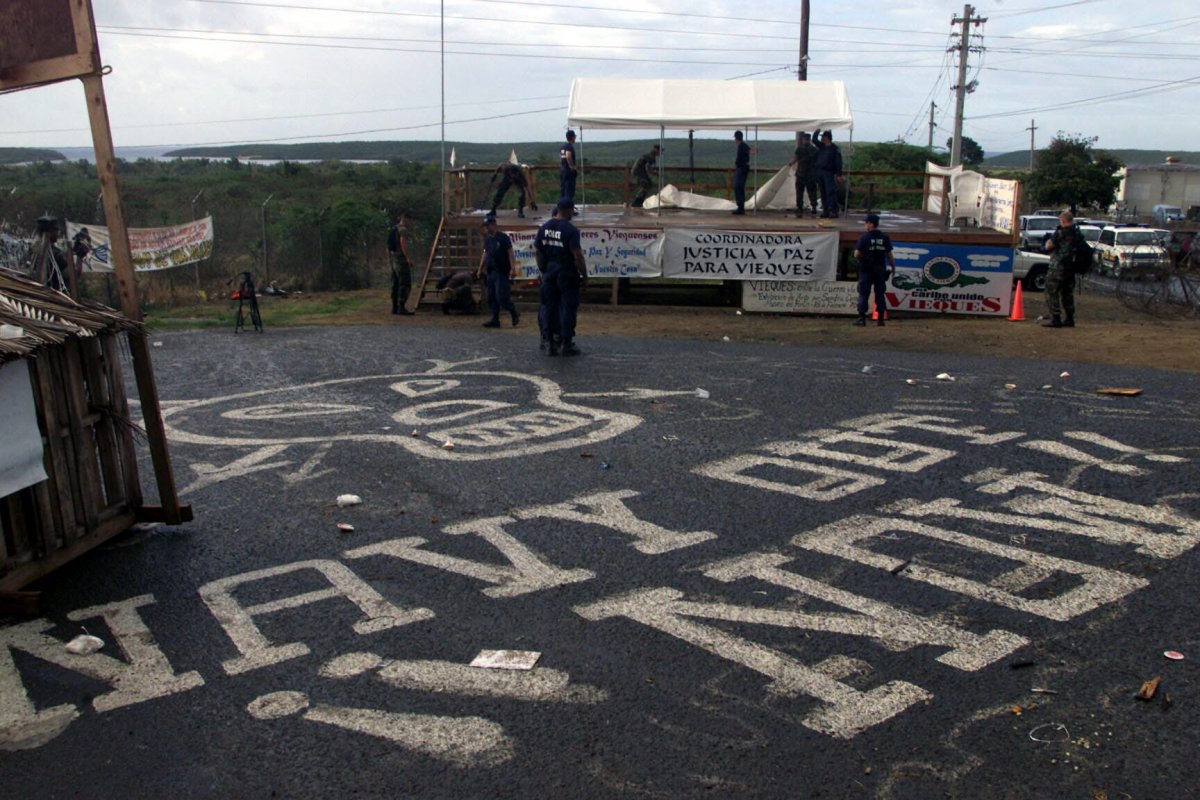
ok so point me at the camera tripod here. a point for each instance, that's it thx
(247, 302)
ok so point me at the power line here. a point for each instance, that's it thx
(362, 132)
(192, 123)
(690, 48)
(1017, 12)
(1166, 86)
(626, 59)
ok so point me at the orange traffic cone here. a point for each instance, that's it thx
(1018, 306)
(875, 313)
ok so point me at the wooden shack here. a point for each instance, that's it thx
(90, 492)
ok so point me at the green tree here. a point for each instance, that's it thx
(972, 153)
(1070, 171)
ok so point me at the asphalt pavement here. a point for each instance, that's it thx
(736, 570)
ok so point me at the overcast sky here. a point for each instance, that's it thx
(227, 71)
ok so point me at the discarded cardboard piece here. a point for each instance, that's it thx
(1119, 391)
(1149, 688)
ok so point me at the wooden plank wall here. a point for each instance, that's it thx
(92, 491)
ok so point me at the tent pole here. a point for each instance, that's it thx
(850, 155)
(662, 156)
(756, 169)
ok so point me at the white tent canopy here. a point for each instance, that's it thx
(773, 105)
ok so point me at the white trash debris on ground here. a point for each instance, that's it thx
(344, 500)
(910, 381)
(724, 338)
(84, 644)
(702, 394)
(945, 376)
(1064, 375)
(506, 659)
(868, 369)
(448, 446)
(345, 527)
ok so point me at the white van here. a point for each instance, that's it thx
(1164, 214)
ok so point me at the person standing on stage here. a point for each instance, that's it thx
(741, 171)
(401, 261)
(498, 266)
(568, 169)
(641, 173)
(874, 254)
(511, 174)
(805, 162)
(564, 273)
(829, 175)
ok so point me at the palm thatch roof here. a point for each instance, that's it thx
(33, 316)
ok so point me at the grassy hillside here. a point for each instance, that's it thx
(1019, 159)
(21, 155)
(708, 152)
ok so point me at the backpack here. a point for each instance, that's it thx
(1081, 259)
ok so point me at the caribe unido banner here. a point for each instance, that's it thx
(153, 248)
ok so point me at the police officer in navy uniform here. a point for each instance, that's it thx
(499, 265)
(568, 169)
(564, 273)
(741, 171)
(642, 169)
(874, 255)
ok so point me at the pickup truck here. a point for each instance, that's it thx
(1034, 230)
(1030, 269)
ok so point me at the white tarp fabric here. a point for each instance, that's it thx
(21, 456)
(939, 177)
(768, 105)
(778, 192)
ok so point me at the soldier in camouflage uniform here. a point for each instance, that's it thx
(805, 162)
(1060, 278)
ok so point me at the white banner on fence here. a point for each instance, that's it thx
(750, 255)
(610, 253)
(21, 456)
(800, 297)
(153, 248)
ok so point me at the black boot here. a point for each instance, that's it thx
(860, 322)
(1053, 322)
(1069, 322)
(552, 346)
(569, 348)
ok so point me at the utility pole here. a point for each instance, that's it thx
(1031, 129)
(962, 89)
(802, 70)
(932, 124)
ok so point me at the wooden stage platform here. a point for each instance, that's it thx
(906, 224)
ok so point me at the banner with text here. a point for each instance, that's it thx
(954, 279)
(750, 255)
(610, 253)
(153, 248)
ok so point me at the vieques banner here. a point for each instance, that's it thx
(610, 253)
(750, 255)
(153, 248)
